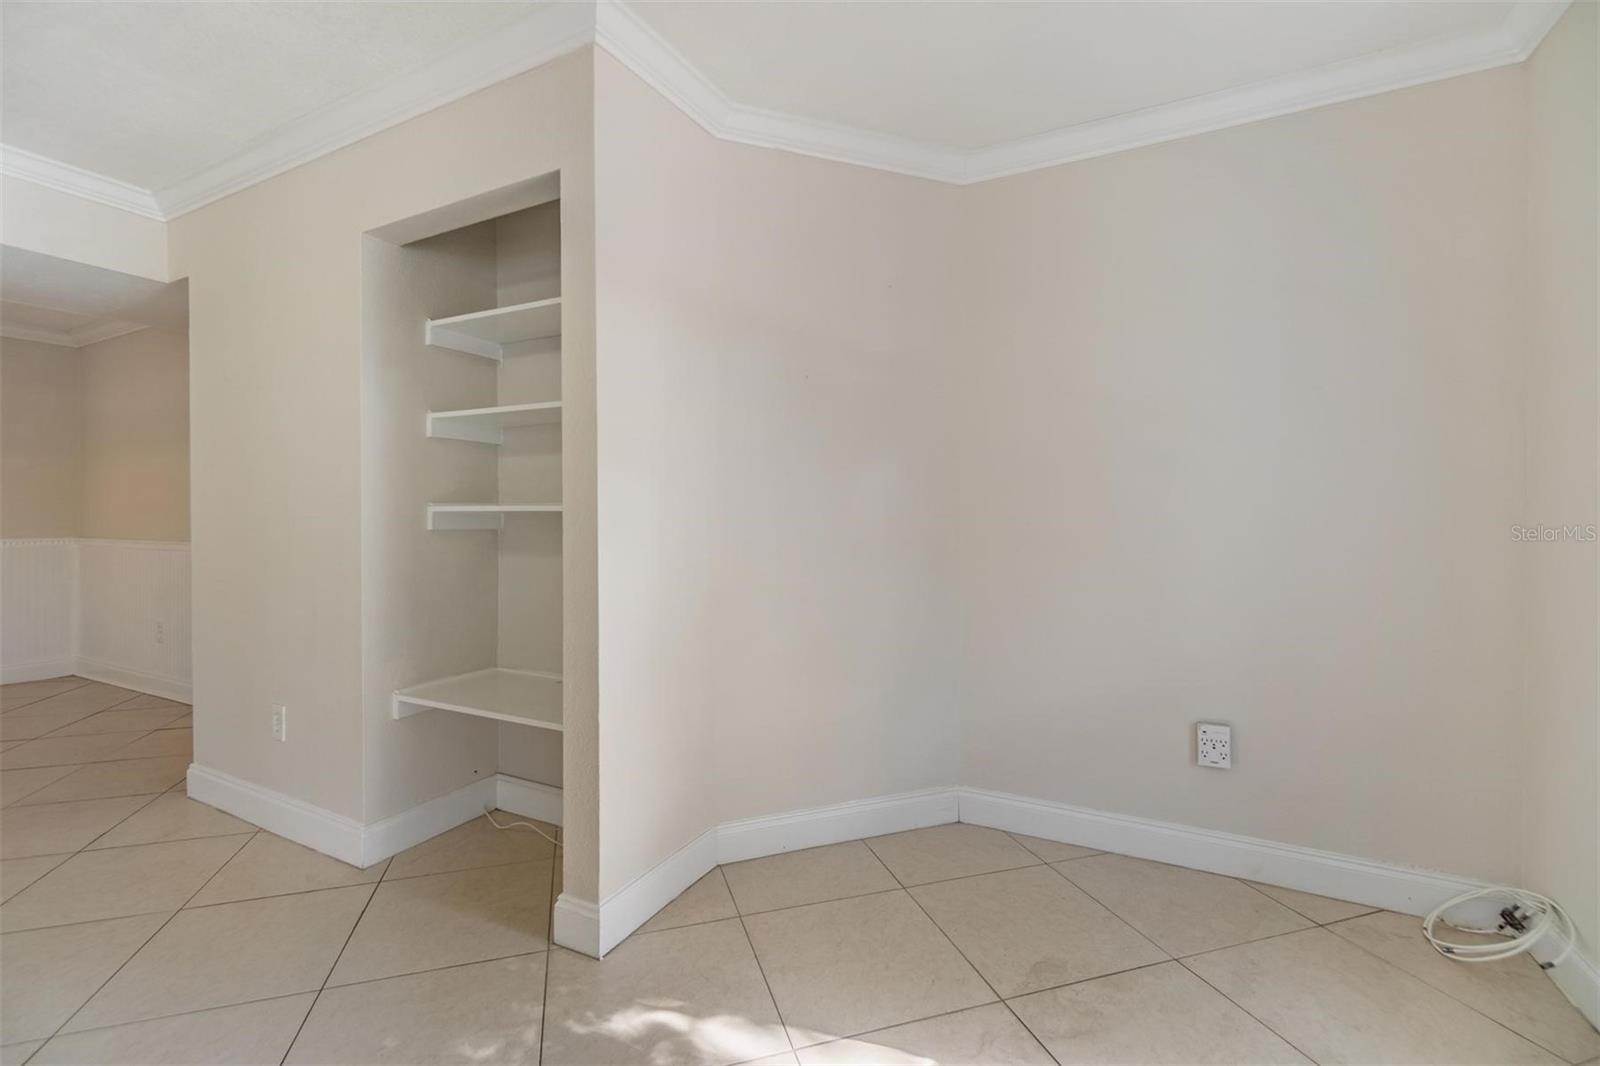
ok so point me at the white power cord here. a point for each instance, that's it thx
(1525, 918)
(488, 812)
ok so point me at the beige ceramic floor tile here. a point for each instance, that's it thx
(487, 1012)
(18, 874)
(1052, 850)
(272, 866)
(422, 923)
(233, 953)
(782, 1058)
(990, 1035)
(118, 720)
(54, 828)
(118, 882)
(144, 702)
(1156, 1015)
(811, 876)
(161, 742)
(247, 1034)
(854, 965)
(124, 777)
(88, 698)
(48, 973)
(17, 784)
(27, 726)
(707, 900)
(690, 995)
(945, 851)
(172, 816)
(24, 692)
(66, 751)
(472, 844)
(1030, 929)
(1337, 1003)
(1320, 909)
(17, 1054)
(1183, 911)
(1514, 992)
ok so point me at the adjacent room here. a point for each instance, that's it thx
(663, 531)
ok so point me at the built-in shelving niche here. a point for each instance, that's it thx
(472, 323)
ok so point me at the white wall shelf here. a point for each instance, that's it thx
(481, 515)
(521, 696)
(484, 425)
(486, 333)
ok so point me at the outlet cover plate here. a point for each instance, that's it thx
(1213, 745)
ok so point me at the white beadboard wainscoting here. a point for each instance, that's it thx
(112, 610)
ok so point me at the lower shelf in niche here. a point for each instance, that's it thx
(522, 696)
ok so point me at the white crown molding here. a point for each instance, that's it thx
(1511, 42)
(638, 47)
(556, 29)
(75, 181)
(551, 31)
(78, 338)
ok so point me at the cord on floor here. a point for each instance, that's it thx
(488, 812)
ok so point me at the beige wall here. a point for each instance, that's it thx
(41, 440)
(1242, 442)
(70, 227)
(1559, 727)
(277, 400)
(96, 439)
(136, 437)
(775, 630)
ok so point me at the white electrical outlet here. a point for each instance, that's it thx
(1213, 743)
(161, 632)
(280, 722)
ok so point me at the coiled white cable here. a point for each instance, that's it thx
(1525, 918)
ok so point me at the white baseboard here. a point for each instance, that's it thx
(1577, 977)
(333, 834)
(528, 798)
(165, 687)
(752, 838)
(596, 930)
(39, 671)
(304, 823)
(1325, 873)
(413, 825)
(575, 924)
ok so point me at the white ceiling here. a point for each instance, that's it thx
(161, 107)
(967, 76)
(150, 93)
(58, 301)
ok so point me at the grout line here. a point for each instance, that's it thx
(762, 970)
(135, 953)
(38, 699)
(286, 995)
(87, 762)
(153, 797)
(1140, 933)
(1436, 988)
(1246, 1010)
(549, 955)
(951, 940)
(331, 967)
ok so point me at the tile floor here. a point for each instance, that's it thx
(141, 927)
